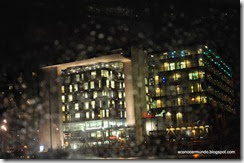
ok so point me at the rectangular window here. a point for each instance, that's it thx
(201, 74)
(76, 106)
(112, 84)
(158, 103)
(77, 115)
(87, 115)
(182, 64)
(82, 76)
(200, 62)
(63, 89)
(92, 85)
(104, 73)
(177, 76)
(156, 80)
(188, 64)
(77, 77)
(107, 83)
(172, 66)
(86, 86)
(120, 94)
(70, 88)
(75, 87)
(63, 108)
(179, 101)
(70, 98)
(93, 115)
(166, 66)
(157, 90)
(100, 84)
(93, 104)
(87, 105)
(64, 118)
(93, 74)
(63, 98)
(95, 94)
(107, 113)
(68, 117)
(67, 79)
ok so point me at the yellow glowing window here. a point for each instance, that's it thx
(182, 64)
(63, 98)
(70, 98)
(62, 89)
(76, 106)
(107, 113)
(166, 66)
(179, 101)
(87, 115)
(93, 74)
(158, 103)
(168, 118)
(198, 99)
(146, 89)
(157, 92)
(203, 99)
(179, 118)
(177, 76)
(95, 94)
(112, 84)
(107, 83)
(199, 51)
(68, 117)
(70, 88)
(93, 104)
(99, 83)
(82, 76)
(86, 105)
(172, 66)
(192, 89)
(188, 64)
(156, 79)
(178, 89)
(64, 118)
(92, 85)
(63, 108)
(201, 74)
(199, 87)
(76, 87)
(92, 114)
(77, 115)
(200, 62)
(120, 94)
(85, 86)
(104, 73)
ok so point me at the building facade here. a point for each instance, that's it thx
(191, 92)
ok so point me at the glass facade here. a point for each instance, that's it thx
(93, 105)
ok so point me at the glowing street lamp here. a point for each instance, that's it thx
(5, 121)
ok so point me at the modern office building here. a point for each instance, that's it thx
(112, 99)
(88, 102)
(191, 94)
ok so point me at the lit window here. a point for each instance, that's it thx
(77, 77)
(64, 118)
(63, 98)
(95, 94)
(87, 115)
(70, 98)
(199, 51)
(77, 115)
(107, 83)
(188, 64)
(68, 117)
(104, 73)
(157, 92)
(183, 65)
(112, 84)
(100, 84)
(156, 80)
(192, 89)
(70, 88)
(146, 82)
(82, 76)
(203, 99)
(178, 89)
(93, 74)
(166, 66)
(76, 87)
(67, 79)
(63, 108)
(168, 118)
(193, 76)
(93, 104)
(120, 94)
(104, 93)
(76, 106)
(199, 87)
(198, 99)
(62, 89)
(146, 89)
(158, 103)
(201, 74)
(67, 107)
(85, 86)
(92, 85)
(93, 115)
(86, 105)
(172, 66)
(200, 62)
(179, 118)
(179, 101)
(177, 76)
(107, 113)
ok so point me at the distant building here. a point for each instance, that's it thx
(114, 99)
(191, 93)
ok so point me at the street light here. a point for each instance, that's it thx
(5, 121)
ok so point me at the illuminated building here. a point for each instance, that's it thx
(190, 94)
(90, 103)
